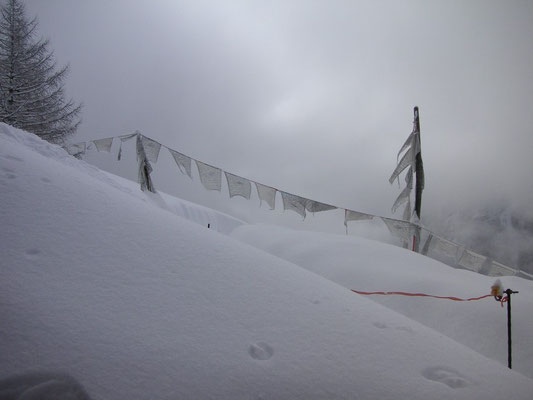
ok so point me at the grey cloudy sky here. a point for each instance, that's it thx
(313, 97)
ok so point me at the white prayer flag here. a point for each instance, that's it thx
(266, 194)
(184, 162)
(210, 177)
(294, 203)
(472, 261)
(408, 143)
(407, 160)
(444, 247)
(315, 206)
(498, 269)
(151, 149)
(399, 229)
(238, 186)
(103, 144)
(124, 138)
(402, 198)
(350, 215)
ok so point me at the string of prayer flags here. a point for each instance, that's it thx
(148, 151)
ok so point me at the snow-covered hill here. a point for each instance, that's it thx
(111, 286)
(366, 265)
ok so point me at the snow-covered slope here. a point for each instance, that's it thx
(366, 265)
(135, 302)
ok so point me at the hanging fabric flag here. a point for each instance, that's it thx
(184, 162)
(407, 210)
(76, 150)
(266, 194)
(238, 186)
(401, 199)
(498, 269)
(406, 161)
(407, 144)
(145, 169)
(399, 229)
(210, 177)
(350, 215)
(314, 206)
(471, 261)
(151, 149)
(443, 247)
(425, 249)
(124, 138)
(294, 203)
(103, 144)
(409, 178)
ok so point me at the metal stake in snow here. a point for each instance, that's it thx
(498, 296)
(508, 292)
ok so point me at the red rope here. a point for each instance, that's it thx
(421, 295)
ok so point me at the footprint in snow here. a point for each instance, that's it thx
(380, 325)
(261, 351)
(448, 376)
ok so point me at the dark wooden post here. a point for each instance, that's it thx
(419, 186)
(419, 169)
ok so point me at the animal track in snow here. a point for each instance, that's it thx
(32, 252)
(261, 351)
(448, 376)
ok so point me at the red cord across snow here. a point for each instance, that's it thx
(421, 295)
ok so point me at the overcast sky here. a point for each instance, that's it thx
(313, 97)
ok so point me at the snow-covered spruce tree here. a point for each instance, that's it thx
(31, 87)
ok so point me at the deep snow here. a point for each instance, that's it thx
(111, 286)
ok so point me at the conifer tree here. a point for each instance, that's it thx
(31, 87)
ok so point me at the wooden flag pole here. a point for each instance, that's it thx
(419, 186)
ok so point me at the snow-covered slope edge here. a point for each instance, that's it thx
(137, 303)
